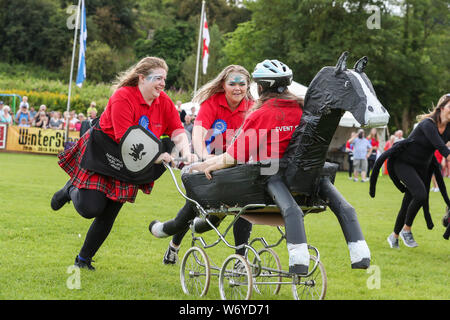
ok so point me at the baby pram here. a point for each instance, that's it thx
(241, 192)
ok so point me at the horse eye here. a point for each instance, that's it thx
(346, 84)
(370, 108)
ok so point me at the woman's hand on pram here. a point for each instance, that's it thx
(167, 158)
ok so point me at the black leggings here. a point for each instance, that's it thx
(94, 204)
(180, 225)
(415, 194)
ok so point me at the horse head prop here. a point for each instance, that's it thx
(334, 90)
(339, 88)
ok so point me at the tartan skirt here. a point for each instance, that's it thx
(69, 161)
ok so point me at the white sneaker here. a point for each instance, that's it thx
(171, 255)
(408, 239)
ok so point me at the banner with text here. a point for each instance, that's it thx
(3, 130)
(37, 140)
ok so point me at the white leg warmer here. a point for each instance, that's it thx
(157, 230)
(298, 254)
(358, 251)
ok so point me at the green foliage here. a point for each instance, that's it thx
(216, 62)
(33, 31)
(172, 44)
(101, 62)
(407, 63)
(408, 53)
(27, 80)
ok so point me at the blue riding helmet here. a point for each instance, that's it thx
(272, 75)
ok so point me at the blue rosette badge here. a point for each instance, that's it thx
(219, 126)
(144, 122)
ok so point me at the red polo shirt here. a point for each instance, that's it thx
(126, 106)
(267, 131)
(216, 108)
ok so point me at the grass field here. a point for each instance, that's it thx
(37, 245)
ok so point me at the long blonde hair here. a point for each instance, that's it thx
(435, 114)
(216, 85)
(285, 95)
(130, 77)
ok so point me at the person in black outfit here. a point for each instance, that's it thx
(411, 166)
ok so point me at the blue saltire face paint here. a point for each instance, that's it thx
(236, 79)
(155, 77)
(219, 126)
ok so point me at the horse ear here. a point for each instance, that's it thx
(342, 63)
(360, 65)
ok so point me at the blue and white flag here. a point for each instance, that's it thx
(81, 57)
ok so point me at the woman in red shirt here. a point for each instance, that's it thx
(265, 135)
(138, 99)
(224, 104)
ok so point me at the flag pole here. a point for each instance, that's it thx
(199, 46)
(71, 68)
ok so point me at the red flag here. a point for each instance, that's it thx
(205, 54)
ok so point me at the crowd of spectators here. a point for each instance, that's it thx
(373, 150)
(27, 116)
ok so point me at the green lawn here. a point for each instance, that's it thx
(37, 245)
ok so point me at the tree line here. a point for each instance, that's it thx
(406, 41)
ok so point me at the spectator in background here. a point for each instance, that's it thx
(87, 123)
(56, 122)
(398, 135)
(32, 112)
(23, 113)
(361, 151)
(349, 150)
(42, 120)
(188, 126)
(5, 116)
(92, 107)
(73, 119)
(180, 110)
(43, 108)
(92, 115)
(81, 118)
(2, 104)
(193, 113)
(375, 142)
(25, 103)
(23, 122)
(387, 146)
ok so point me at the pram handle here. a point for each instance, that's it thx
(181, 192)
(205, 216)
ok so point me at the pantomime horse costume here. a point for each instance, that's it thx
(434, 168)
(308, 178)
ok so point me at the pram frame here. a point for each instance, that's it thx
(238, 212)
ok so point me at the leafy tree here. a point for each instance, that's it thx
(215, 62)
(407, 62)
(33, 31)
(173, 44)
